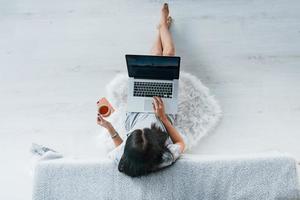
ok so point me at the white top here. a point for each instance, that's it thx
(144, 120)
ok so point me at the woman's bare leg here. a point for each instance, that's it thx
(165, 35)
(157, 46)
(164, 46)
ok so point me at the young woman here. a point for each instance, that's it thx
(152, 142)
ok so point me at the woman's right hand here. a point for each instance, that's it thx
(159, 108)
(104, 123)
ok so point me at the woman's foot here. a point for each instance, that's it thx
(169, 21)
(165, 19)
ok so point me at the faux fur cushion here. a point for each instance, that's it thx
(198, 111)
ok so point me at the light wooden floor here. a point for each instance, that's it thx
(56, 57)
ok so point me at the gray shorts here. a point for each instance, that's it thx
(133, 117)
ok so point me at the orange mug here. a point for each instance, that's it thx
(104, 107)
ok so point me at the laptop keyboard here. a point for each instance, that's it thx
(150, 89)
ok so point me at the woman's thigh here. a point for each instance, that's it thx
(131, 116)
(129, 120)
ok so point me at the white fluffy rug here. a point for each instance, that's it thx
(198, 111)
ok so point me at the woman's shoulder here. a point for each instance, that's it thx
(169, 157)
(116, 153)
(175, 150)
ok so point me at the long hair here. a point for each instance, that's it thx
(143, 151)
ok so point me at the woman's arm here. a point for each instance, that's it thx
(173, 133)
(117, 139)
(158, 107)
(106, 124)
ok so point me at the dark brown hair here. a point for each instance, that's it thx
(143, 151)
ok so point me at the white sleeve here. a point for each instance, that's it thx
(169, 158)
(117, 153)
(175, 150)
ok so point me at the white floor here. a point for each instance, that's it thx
(56, 57)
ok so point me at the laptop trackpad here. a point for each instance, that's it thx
(148, 105)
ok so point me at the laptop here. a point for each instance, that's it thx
(152, 76)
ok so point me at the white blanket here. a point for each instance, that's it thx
(259, 177)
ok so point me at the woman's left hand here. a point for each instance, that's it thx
(104, 123)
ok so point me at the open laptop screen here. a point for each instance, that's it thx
(153, 67)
